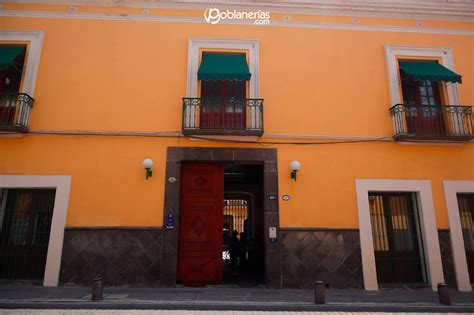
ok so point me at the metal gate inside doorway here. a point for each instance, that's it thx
(25, 222)
(397, 238)
(237, 217)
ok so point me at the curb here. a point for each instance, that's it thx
(233, 306)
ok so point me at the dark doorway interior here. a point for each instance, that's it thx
(242, 250)
(25, 222)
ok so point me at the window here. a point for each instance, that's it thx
(223, 78)
(421, 98)
(222, 88)
(424, 95)
(12, 63)
(466, 214)
(396, 236)
(394, 54)
(19, 61)
(422, 200)
(459, 196)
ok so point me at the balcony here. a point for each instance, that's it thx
(15, 112)
(429, 122)
(221, 116)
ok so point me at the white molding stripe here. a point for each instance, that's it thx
(62, 184)
(433, 10)
(34, 40)
(429, 228)
(451, 188)
(196, 20)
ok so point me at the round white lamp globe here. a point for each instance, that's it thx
(147, 163)
(295, 165)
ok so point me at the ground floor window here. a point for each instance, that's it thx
(25, 225)
(397, 238)
(466, 214)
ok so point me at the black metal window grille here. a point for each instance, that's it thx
(15, 109)
(436, 122)
(466, 214)
(397, 238)
(25, 222)
(229, 114)
(237, 217)
(235, 214)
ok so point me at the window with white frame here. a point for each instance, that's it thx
(19, 62)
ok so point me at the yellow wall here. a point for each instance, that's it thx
(131, 75)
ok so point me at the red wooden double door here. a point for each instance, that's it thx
(201, 221)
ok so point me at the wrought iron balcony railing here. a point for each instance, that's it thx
(429, 122)
(222, 116)
(15, 111)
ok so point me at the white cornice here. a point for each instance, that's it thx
(199, 20)
(459, 10)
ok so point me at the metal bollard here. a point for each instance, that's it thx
(319, 292)
(97, 289)
(443, 294)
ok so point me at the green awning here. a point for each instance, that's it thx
(428, 70)
(223, 66)
(8, 53)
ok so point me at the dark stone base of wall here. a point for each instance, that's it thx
(447, 258)
(123, 256)
(329, 255)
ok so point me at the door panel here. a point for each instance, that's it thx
(426, 116)
(223, 105)
(201, 220)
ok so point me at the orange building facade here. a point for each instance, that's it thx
(372, 101)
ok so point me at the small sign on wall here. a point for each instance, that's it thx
(272, 234)
(170, 221)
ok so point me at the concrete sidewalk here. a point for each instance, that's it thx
(224, 298)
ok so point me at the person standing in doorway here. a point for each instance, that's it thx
(243, 252)
(234, 250)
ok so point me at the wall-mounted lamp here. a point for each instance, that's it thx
(148, 164)
(295, 167)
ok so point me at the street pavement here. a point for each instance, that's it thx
(220, 299)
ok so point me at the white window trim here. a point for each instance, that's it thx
(62, 184)
(392, 52)
(196, 44)
(451, 188)
(429, 229)
(34, 39)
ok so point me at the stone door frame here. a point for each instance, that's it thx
(177, 155)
